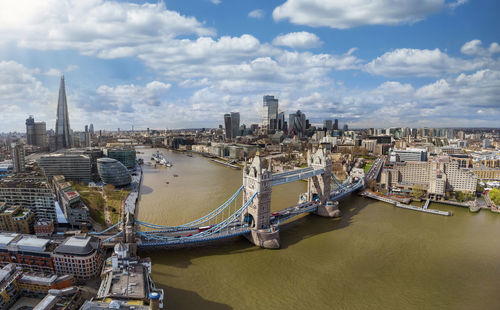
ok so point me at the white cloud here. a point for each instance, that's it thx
(420, 62)
(475, 48)
(216, 1)
(341, 15)
(107, 29)
(258, 13)
(300, 39)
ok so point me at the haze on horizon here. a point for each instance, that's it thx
(178, 64)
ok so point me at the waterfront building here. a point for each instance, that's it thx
(485, 173)
(81, 256)
(75, 211)
(436, 176)
(16, 219)
(410, 154)
(113, 172)
(235, 124)
(126, 156)
(270, 119)
(27, 252)
(72, 166)
(63, 131)
(29, 190)
(118, 272)
(18, 160)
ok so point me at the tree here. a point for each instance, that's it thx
(372, 184)
(417, 191)
(108, 189)
(495, 196)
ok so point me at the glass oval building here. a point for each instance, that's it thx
(113, 172)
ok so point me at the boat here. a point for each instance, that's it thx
(167, 182)
(189, 155)
(176, 175)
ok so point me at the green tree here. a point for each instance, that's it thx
(495, 196)
(417, 191)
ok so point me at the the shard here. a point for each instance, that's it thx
(63, 137)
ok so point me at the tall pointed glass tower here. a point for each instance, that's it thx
(63, 137)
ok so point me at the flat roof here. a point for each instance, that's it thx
(32, 243)
(6, 238)
(78, 245)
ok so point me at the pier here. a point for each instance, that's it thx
(424, 208)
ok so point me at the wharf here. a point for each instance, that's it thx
(225, 164)
(405, 206)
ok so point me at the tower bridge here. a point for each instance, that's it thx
(253, 219)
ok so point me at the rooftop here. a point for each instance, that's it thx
(78, 245)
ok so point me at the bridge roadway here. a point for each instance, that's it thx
(184, 236)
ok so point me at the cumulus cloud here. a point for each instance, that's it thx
(258, 14)
(300, 39)
(338, 14)
(420, 62)
(475, 48)
(107, 29)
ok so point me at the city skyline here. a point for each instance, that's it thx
(176, 65)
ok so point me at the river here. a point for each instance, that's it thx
(375, 256)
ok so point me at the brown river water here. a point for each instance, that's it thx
(375, 257)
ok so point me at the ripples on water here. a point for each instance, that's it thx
(375, 257)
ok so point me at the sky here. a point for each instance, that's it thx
(183, 64)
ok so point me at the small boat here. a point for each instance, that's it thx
(176, 175)
(189, 155)
(167, 182)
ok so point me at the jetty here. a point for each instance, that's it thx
(424, 208)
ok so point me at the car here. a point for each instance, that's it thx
(275, 213)
(189, 235)
(203, 228)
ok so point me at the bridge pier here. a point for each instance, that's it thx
(265, 238)
(328, 210)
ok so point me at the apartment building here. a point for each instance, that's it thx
(73, 207)
(16, 219)
(27, 252)
(30, 190)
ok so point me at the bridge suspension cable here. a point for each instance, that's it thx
(106, 230)
(213, 214)
(113, 237)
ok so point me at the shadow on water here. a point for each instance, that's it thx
(175, 298)
(183, 256)
(146, 189)
(312, 225)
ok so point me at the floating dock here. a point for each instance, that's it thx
(424, 208)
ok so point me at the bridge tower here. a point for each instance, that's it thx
(128, 233)
(319, 187)
(258, 179)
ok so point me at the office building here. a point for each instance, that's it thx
(327, 124)
(73, 167)
(113, 172)
(63, 131)
(270, 119)
(235, 124)
(227, 126)
(297, 123)
(29, 190)
(281, 121)
(486, 143)
(81, 256)
(16, 219)
(126, 156)
(30, 130)
(27, 252)
(336, 125)
(346, 128)
(18, 160)
(410, 154)
(91, 129)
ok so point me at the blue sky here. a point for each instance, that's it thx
(183, 64)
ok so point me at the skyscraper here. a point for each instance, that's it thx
(235, 124)
(18, 157)
(327, 124)
(30, 130)
(91, 129)
(270, 112)
(227, 125)
(297, 123)
(63, 137)
(336, 125)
